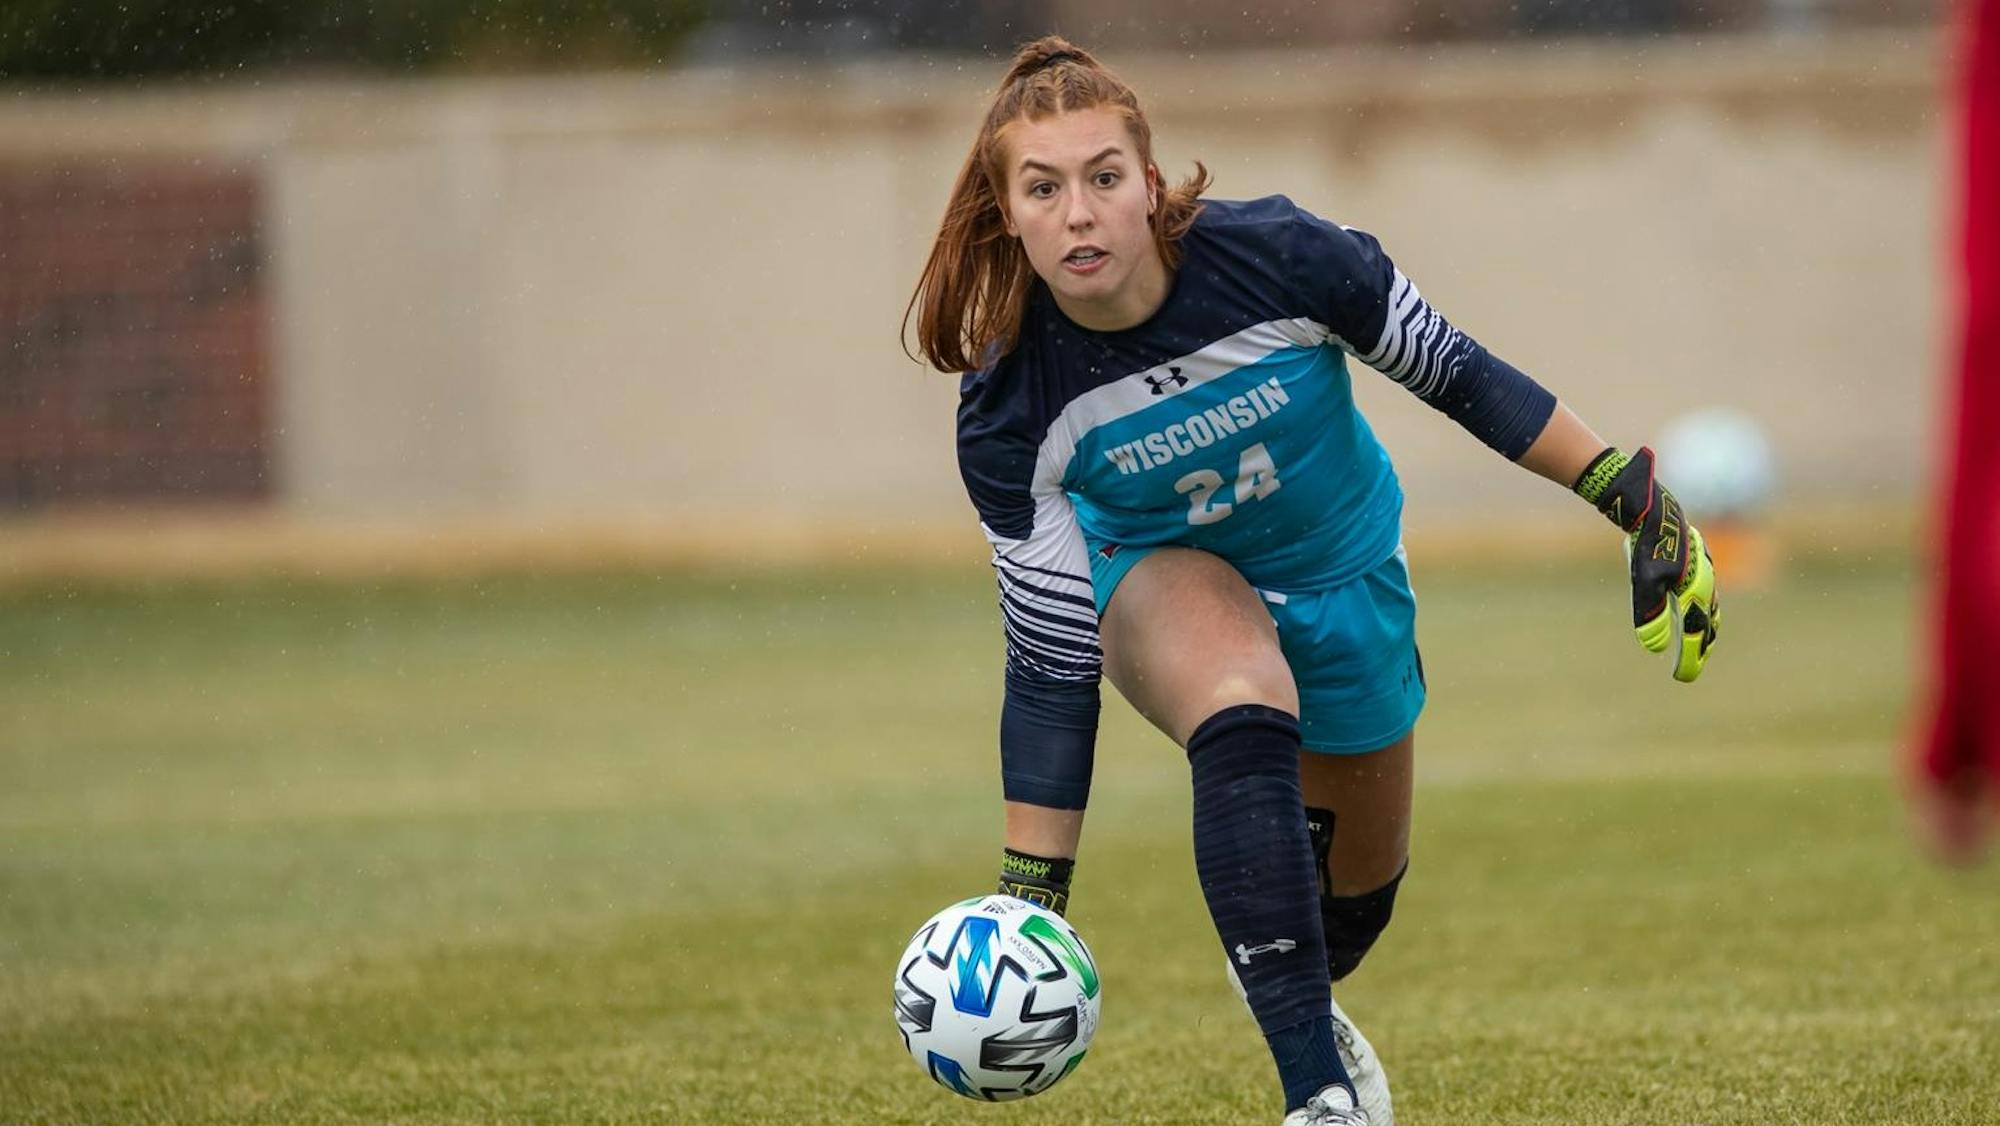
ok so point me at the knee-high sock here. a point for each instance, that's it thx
(1255, 861)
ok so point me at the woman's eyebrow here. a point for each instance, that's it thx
(1035, 165)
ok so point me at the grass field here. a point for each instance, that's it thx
(644, 847)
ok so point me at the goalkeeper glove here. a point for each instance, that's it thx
(1673, 579)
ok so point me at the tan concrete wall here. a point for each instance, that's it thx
(674, 299)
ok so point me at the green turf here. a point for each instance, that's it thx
(639, 847)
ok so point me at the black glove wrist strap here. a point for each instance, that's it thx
(1598, 475)
(1626, 494)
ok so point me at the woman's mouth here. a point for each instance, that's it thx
(1085, 261)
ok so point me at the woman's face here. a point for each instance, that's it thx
(1079, 199)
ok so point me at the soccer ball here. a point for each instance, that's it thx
(1720, 465)
(996, 998)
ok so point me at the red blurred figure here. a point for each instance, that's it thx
(1957, 776)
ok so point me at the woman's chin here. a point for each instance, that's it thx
(1084, 293)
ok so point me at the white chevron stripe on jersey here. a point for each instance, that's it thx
(1059, 651)
(1060, 620)
(1143, 389)
(1045, 594)
(1418, 349)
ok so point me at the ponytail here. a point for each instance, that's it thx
(974, 287)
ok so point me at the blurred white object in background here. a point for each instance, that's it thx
(1719, 463)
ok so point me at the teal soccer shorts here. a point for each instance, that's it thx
(1352, 649)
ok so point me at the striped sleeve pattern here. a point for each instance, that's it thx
(1045, 596)
(1418, 348)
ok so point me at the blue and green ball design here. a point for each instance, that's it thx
(996, 998)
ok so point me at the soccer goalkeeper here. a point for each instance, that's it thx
(1158, 434)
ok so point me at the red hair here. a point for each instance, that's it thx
(969, 300)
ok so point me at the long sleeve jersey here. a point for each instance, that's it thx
(1224, 422)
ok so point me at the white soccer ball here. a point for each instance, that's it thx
(1719, 463)
(997, 998)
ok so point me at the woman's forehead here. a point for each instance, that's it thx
(1070, 138)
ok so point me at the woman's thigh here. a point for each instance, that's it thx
(1185, 637)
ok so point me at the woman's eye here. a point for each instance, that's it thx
(1042, 190)
(1106, 179)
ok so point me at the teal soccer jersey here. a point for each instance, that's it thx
(1251, 449)
(1224, 422)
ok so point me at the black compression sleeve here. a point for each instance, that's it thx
(1496, 402)
(1048, 740)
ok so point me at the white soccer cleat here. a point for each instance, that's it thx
(1331, 1107)
(1364, 1067)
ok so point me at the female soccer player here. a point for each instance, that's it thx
(1159, 438)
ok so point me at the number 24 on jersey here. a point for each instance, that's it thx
(1256, 478)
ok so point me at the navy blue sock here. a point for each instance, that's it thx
(1255, 860)
(1307, 1059)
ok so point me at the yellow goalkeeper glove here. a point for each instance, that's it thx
(1673, 579)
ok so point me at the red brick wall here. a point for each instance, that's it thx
(134, 349)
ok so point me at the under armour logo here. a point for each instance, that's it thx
(1280, 946)
(1159, 383)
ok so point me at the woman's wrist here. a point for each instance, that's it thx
(1564, 450)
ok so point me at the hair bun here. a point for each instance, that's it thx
(1043, 53)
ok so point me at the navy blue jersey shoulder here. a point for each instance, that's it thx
(1000, 421)
(1272, 253)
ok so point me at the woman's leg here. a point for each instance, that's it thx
(1369, 797)
(1191, 645)
(1365, 800)
(1185, 637)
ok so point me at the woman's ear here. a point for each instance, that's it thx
(1006, 214)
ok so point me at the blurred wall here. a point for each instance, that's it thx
(674, 298)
